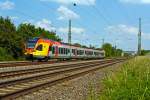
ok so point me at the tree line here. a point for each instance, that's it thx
(111, 51)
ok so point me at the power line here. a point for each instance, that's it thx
(124, 11)
(107, 21)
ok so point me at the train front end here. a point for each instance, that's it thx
(30, 48)
(38, 49)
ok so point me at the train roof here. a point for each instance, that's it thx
(62, 43)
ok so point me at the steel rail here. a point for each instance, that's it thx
(49, 73)
(8, 74)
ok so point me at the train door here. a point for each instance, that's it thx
(50, 51)
(56, 52)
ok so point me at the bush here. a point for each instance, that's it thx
(4, 55)
(132, 82)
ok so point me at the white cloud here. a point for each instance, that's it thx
(126, 30)
(121, 28)
(74, 30)
(7, 5)
(28, 21)
(136, 1)
(46, 24)
(14, 17)
(78, 2)
(66, 13)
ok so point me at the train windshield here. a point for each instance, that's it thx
(31, 43)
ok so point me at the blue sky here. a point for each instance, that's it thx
(92, 20)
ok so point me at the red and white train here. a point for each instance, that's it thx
(44, 49)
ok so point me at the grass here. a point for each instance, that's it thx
(131, 82)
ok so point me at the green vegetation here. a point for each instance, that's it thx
(131, 82)
(13, 39)
(111, 51)
(144, 52)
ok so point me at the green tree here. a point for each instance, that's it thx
(119, 52)
(28, 31)
(111, 51)
(9, 39)
(108, 49)
(144, 52)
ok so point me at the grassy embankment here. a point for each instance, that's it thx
(131, 82)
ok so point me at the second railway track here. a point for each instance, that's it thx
(35, 79)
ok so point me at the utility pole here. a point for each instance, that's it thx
(139, 37)
(69, 36)
(103, 41)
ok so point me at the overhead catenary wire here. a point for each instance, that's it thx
(106, 19)
(123, 11)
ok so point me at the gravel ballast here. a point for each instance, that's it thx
(76, 89)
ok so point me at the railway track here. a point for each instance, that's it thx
(19, 83)
(27, 63)
(13, 73)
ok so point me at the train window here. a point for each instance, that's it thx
(50, 48)
(61, 50)
(77, 52)
(73, 51)
(66, 51)
(40, 47)
(82, 52)
(53, 50)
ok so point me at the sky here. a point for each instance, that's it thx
(115, 21)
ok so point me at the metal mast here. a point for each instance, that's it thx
(139, 37)
(69, 36)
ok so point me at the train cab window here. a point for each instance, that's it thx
(40, 47)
